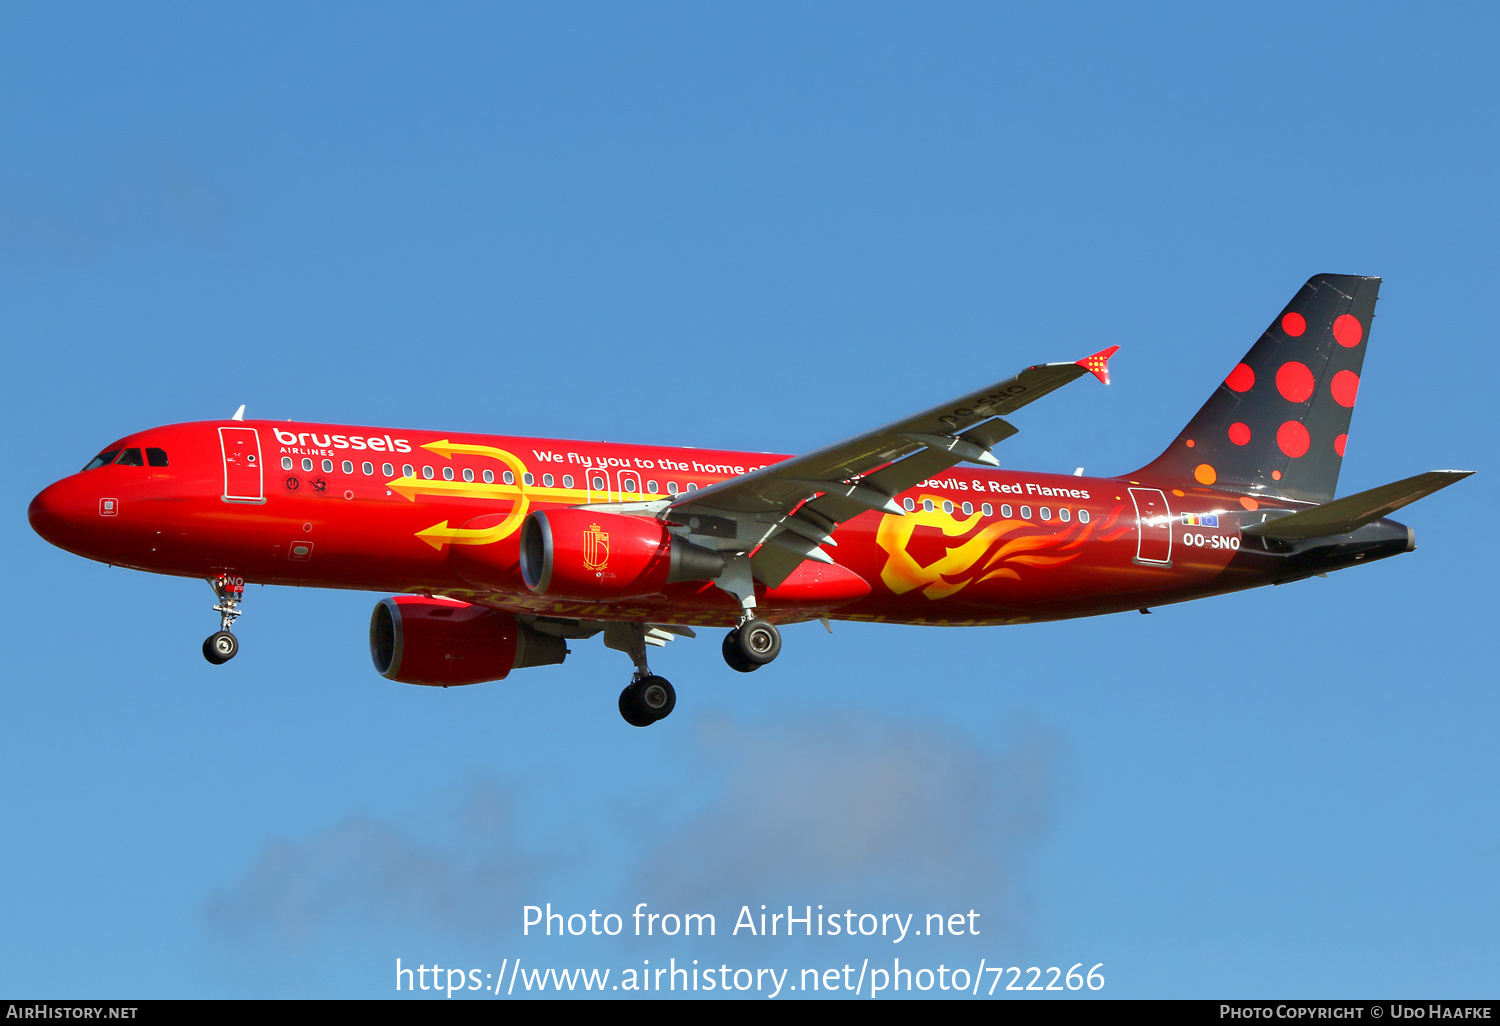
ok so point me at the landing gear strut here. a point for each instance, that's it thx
(751, 645)
(647, 698)
(223, 646)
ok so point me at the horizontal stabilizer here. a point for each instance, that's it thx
(1354, 511)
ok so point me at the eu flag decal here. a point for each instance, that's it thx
(1200, 520)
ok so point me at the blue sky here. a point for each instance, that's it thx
(761, 227)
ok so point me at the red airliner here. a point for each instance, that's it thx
(503, 548)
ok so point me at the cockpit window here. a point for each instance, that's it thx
(104, 459)
(156, 457)
(131, 458)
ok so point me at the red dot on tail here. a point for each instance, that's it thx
(1294, 381)
(1239, 433)
(1240, 379)
(1345, 387)
(1294, 324)
(1347, 330)
(1339, 443)
(1275, 475)
(1293, 438)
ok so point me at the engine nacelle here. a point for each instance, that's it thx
(442, 642)
(582, 554)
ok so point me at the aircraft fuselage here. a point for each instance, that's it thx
(423, 512)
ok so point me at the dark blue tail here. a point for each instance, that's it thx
(1278, 423)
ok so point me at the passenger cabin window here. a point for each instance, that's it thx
(508, 477)
(528, 479)
(947, 506)
(387, 470)
(468, 474)
(597, 484)
(131, 458)
(547, 480)
(447, 473)
(104, 459)
(908, 504)
(306, 464)
(367, 469)
(567, 480)
(328, 466)
(348, 467)
(407, 470)
(968, 508)
(987, 510)
(1005, 511)
(1083, 516)
(651, 487)
(489, 477)
(630, 485)
(286, 463)
(156, 457)
(427, 473)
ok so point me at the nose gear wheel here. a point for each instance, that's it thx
(222, 646)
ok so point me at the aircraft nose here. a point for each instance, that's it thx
(54, 513)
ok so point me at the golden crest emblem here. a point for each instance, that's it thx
(595, 548)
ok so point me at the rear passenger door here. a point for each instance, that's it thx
(1154, 526)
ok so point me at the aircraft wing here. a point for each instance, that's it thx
(790, 509)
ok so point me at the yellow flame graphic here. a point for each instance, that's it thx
(993, 552)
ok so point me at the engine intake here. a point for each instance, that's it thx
(582, 554)
(445, 643)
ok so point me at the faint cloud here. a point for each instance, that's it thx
(851, 809)
(365, 875)
(138, 195)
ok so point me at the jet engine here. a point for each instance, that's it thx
(582, 554)
(442, 642)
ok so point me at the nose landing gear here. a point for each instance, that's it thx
(223, 646)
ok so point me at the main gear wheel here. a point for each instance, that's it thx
(751, 645)
(647, 700)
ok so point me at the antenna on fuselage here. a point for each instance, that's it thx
(239, 414)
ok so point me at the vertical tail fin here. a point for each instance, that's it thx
(1277, 424)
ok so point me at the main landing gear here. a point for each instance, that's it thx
(754, 642)
(647, 698)
(223, 646)
(751, 645)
